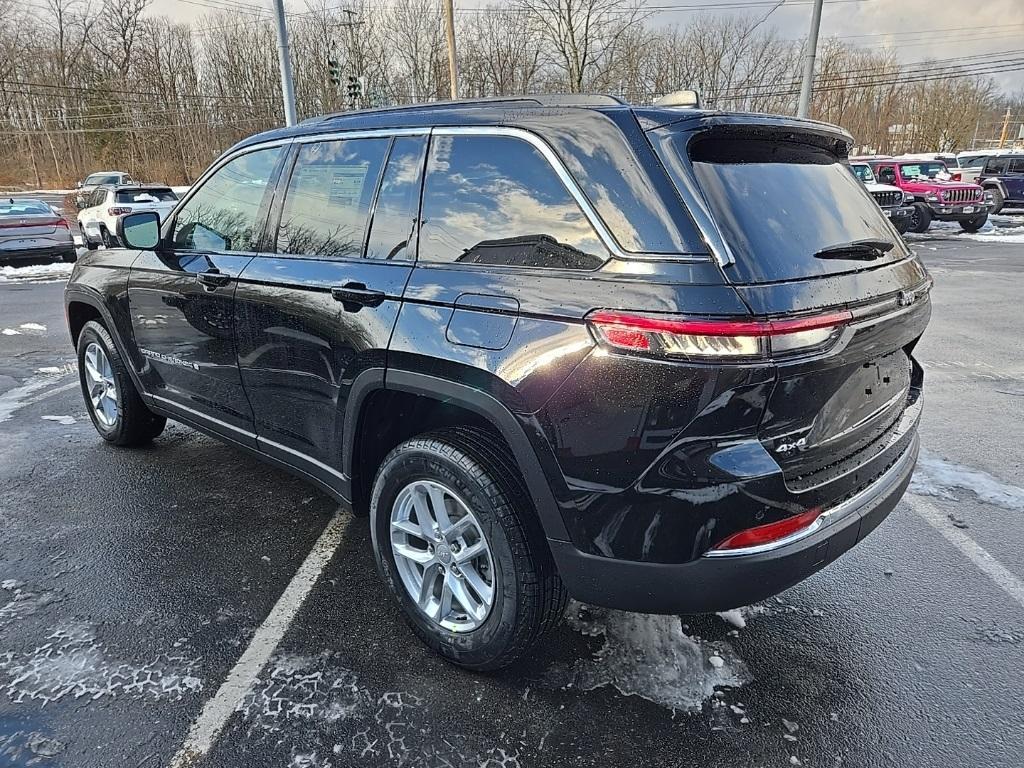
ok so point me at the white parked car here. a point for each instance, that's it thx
(104, 205)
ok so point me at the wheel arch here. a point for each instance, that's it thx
(449, 403)
(82, 304)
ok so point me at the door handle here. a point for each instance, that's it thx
(356, 295)
(213, 279)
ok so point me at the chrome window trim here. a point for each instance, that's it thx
(859, 500)
(571, 187)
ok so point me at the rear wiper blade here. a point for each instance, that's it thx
(857, 249)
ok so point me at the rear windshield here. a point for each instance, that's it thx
(145, 196)
(785, 208)
(24, 208)
(98, 179)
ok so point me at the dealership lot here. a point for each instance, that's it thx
(141, 592)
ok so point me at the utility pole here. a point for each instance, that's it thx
(287, 87)
(453, 70)
(1006, 127)
(812, 49)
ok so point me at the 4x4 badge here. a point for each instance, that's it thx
(906, 298)
(794, 446)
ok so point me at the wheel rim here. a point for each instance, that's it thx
(915, 219)
(100, 385)
(442, 556)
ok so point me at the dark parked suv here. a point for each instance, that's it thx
(658, 359)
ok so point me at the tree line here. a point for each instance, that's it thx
(89, 86)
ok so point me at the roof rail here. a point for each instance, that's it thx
(539, 100)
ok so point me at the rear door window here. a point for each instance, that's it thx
(786, 209)
(1017, 165)
(394, 215)
(327, 204)
(497, 200)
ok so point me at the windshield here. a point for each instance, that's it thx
(779, 204)
(863, 172)
(972, 161)
(154, 195)
(103, 178)
(926, 171)
(24, 208)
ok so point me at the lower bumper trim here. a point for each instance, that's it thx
(710, 584)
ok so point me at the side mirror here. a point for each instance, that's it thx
(78, 185)
(139, 230)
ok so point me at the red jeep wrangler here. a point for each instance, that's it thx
(936, 195)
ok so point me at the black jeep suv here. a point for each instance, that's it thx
(658, 359)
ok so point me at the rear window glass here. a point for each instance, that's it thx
(145, 196)
(24, 208)
(103, 178)
(863, 172)
(782, 205)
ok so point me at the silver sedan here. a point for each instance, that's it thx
(33, 230)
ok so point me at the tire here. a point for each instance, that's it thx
(903, 226)
(69, 257)
(998, 201)
(89, 244)
(974, 223)
(109, 241)
(128, 422)
(527, 596)
(921, 218)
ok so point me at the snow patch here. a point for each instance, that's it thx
(72, 663)
(650, 656)
(36, 271)
(734, 617)
(10, 332)
(18, 397)
(67, 421)
(32, 327)
(939, 478)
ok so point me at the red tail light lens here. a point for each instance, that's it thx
(116, 211)
(770, 533)
(737, 339)
(61, 224)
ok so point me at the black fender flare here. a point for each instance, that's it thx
(994, 184)
(82, 294)
(474, 400)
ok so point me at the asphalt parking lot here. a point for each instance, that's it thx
(184, 604)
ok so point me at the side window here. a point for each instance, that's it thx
(394, 216)
(996, 165)
(497, 200)
(886, 175)
(224, 213)
(1017, 165)
(327, 205)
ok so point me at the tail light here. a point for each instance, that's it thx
(62, 224)
(117, 211)
(716, 339)
(955, 175)
(771, 533)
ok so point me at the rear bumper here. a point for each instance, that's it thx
(58, 251)
(718, 583)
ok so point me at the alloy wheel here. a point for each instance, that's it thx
(442, 556)
(100, 384)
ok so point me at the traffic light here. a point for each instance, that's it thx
(355, 88)
(334, 70)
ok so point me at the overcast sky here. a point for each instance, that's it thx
(919, 29)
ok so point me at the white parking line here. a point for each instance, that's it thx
(216, 712)
(971, 549)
